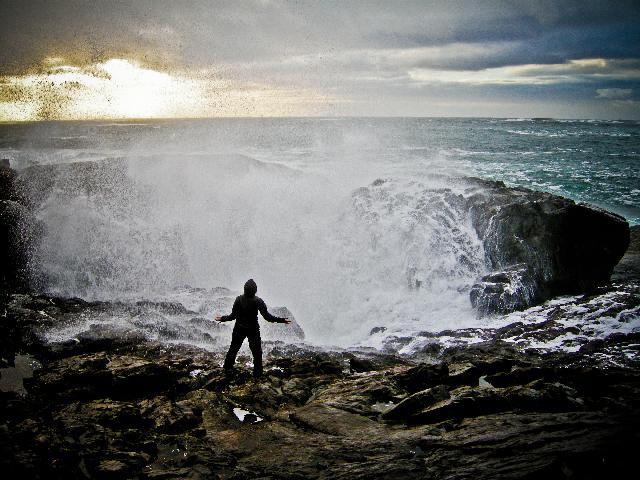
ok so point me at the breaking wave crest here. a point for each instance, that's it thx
(397, 253)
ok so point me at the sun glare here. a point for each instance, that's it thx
(121, 88)
(117, 88)
(132, 91)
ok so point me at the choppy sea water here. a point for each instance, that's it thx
(290, 202)
(592, 161)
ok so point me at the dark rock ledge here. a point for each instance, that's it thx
(123, 407)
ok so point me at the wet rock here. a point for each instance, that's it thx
(169, 417)
(112, 469)
(278, 331)
(7, 180)
(93, 375)
(361, 365)
(519, 376)
(505, 291)
(465, 373)
(18, 233)
(375, 330)
(96, 339)
(138, 409)
(545, 445)
(82, 376)
(171, 308)
(540, 246)
(496, 352)
(310, 364)
(334, 421)
(366, 395)
(422, 377)
(135, 377)
(105, 412)
(417, 402)
(466, 402)
(628, 269)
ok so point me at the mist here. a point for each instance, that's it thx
(325, 222)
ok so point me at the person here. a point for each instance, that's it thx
(245, 313)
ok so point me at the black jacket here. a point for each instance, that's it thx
(246, 307)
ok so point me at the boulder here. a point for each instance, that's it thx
(540, 245)
(7, 180)
(18, 230)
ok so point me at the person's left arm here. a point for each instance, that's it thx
(262, 308)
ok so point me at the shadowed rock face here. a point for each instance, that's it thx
(540, 246)
(628, 269)
(18, 231)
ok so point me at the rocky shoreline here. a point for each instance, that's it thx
(107, 406)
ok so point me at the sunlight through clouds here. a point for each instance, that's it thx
(120, 88)
(69, 59)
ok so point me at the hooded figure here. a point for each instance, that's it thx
(245, 313)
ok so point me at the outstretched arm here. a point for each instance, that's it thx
(262, 307)
(233, 316)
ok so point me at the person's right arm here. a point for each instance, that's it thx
(232, 316)
(262, 308)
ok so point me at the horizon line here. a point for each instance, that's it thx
(301, 117)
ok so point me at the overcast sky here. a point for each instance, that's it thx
(455, 58)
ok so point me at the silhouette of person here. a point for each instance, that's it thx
(245, 313)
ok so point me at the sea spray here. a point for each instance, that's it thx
(286, 201)
(397, 253)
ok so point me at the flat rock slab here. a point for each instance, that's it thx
(333, 421)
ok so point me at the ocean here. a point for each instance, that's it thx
(183, 209)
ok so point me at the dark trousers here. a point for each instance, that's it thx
(255, 344)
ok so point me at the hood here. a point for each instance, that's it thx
(250, 288)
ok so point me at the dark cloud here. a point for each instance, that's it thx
(514, 21)
(205, 32)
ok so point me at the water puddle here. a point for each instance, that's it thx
(246, 416)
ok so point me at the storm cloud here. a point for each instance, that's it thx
(348, 51)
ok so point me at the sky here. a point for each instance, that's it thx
(73, 59)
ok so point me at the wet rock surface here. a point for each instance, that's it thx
(541, 245)
(18, 232)
(604, 323)
(116, 405)
(628, 269)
